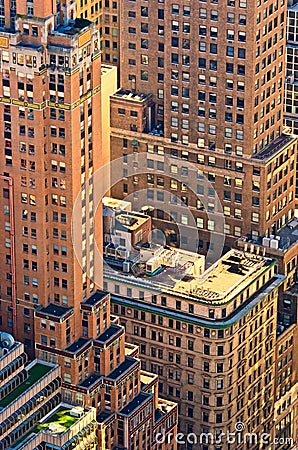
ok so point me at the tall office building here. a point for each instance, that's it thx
(211, 79)
(105, 14)
(51, 144)
(291, 89)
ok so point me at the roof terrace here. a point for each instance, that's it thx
(35, 373)
(64, 422)
(234, 270)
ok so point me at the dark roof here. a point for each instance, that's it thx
(103, 416)
(77, 345)
(90, 381)
(158, 414)
(274, 146)
(124, 367)
(96, 297)
(110, 332)
(135, 403)
(54, 310)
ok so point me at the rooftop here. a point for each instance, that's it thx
(109, 333)
(164, 407)
(129, 95)
(131, 349)
(135, 403)
(127, 364)
(90, 381)
(103, 416)
(129, 221)
(274, 147)
(74, 27)
(77, 345)
(114, 203)
(234, 270)
(28, 45)
(96, 297)
(154, 265)
(54, 310)
(56, 423)
(147, 378)
(35, 373)
(281, 241)
(61, 418)
(197, 320)
(288, 235)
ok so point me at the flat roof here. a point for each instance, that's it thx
(74, 28)
(103, 416)
(196, 320)
(54, 310)
(174, 265)
(96, 297)
(90, 381)
(127, 364)
(77, 345)
(234, 270)
(135, 403)
(114, 203)
(288, 235)
(130, 95)
(272, 148)
(35, 373)
(109, 333)
(129, 221)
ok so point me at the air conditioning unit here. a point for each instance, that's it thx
(77, 412)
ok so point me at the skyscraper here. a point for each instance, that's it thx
(215, 74)
(50, 88)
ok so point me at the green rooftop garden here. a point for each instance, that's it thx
(60, 417)
(34, 374)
